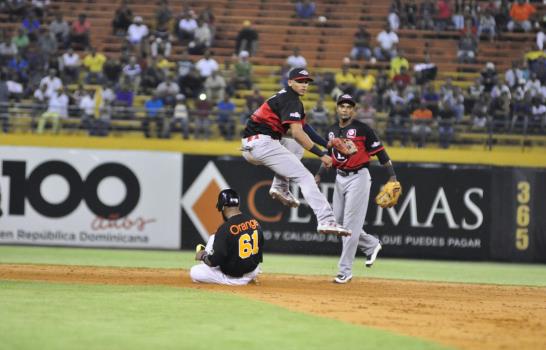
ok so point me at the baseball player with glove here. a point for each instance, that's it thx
(263, 144)
(352, 144)
(233, 254)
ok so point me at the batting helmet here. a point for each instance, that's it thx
(227, 198)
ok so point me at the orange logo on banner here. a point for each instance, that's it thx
(252, 203)
(205, 207)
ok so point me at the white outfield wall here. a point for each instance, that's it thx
(90, 198)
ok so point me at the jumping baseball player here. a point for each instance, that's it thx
(233, 254)
(353, 182)
(263, 144)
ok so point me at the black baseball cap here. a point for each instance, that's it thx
(346, 98)
(299, 74)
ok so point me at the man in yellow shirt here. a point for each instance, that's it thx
(345, 80)
(365, 82)
(397, 63)
(94, 62)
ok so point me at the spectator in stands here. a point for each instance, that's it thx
(137, 32)
(430, 98)
(514, 74)
(226, 117)
(361, 45)
(185, 64)
(296, 60)
(521, 16)
(537, 121)
(487, 25)
(366, 113)
(458, 14)
(80, 31)
(8, 50)
(123, 18)
(123, 102)
(500, 88)
(16, 8)
(18, 67)
(540, 38)
(393, 18)
(206, 65)
(207, 15)
(320, 117)
(60, 28)
(131, 74)
(252, 103)
(152, 76)
(154, 114)
(41, 8)
(191, 84)
(345, 82)
(160, 46)
(21, 41)
(57, 108)
(242, 72)
(408, 17)
(443, 15)
(397, 124)
(165, 65)
(202, 110)
(425, 71)
(215, 87)
(167, 91)
(502, 14)
(52, 82)
(39, 101)
(422, 119)
(102, 123)
(247, 39)
(86, 106)
(388, 41)
(202, 39)
(180, 116)
(364, 83)
(186, 27)
(446, 120)
(94, 62)
(31, 25)
(47, 43)
(397, 62)
(163, 14)
(427, 11)
(305, 9)
(488, 77)
(112, 70)
(480, 113)
(71, 63)
(403, 78)
(500, 111)
(467, 50)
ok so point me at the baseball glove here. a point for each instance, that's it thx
(344, 146)
(389, 194)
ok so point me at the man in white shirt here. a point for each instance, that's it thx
(132, 74)
(57, 108)
(87, 107)
(186, 27)
(71, 66)
(296, 60)
(137, 31)
(206, 65)
(52, 81)
(387, 40)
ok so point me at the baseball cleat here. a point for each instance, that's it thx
(285, 197)
(342, 279)
(371, 258)
(333, 228)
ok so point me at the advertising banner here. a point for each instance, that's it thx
(91, 198)
(445, 211)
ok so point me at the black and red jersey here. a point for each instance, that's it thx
(365, 139)
(238, 245)
(275, 115)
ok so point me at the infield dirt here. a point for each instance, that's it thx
(464, 316)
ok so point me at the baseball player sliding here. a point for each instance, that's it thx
(353, 182)
(263, 144)
(233, 253)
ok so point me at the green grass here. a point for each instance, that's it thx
(424, 270)
(35, 315)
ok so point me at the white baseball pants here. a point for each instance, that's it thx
(284, 161)
(202, 273)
